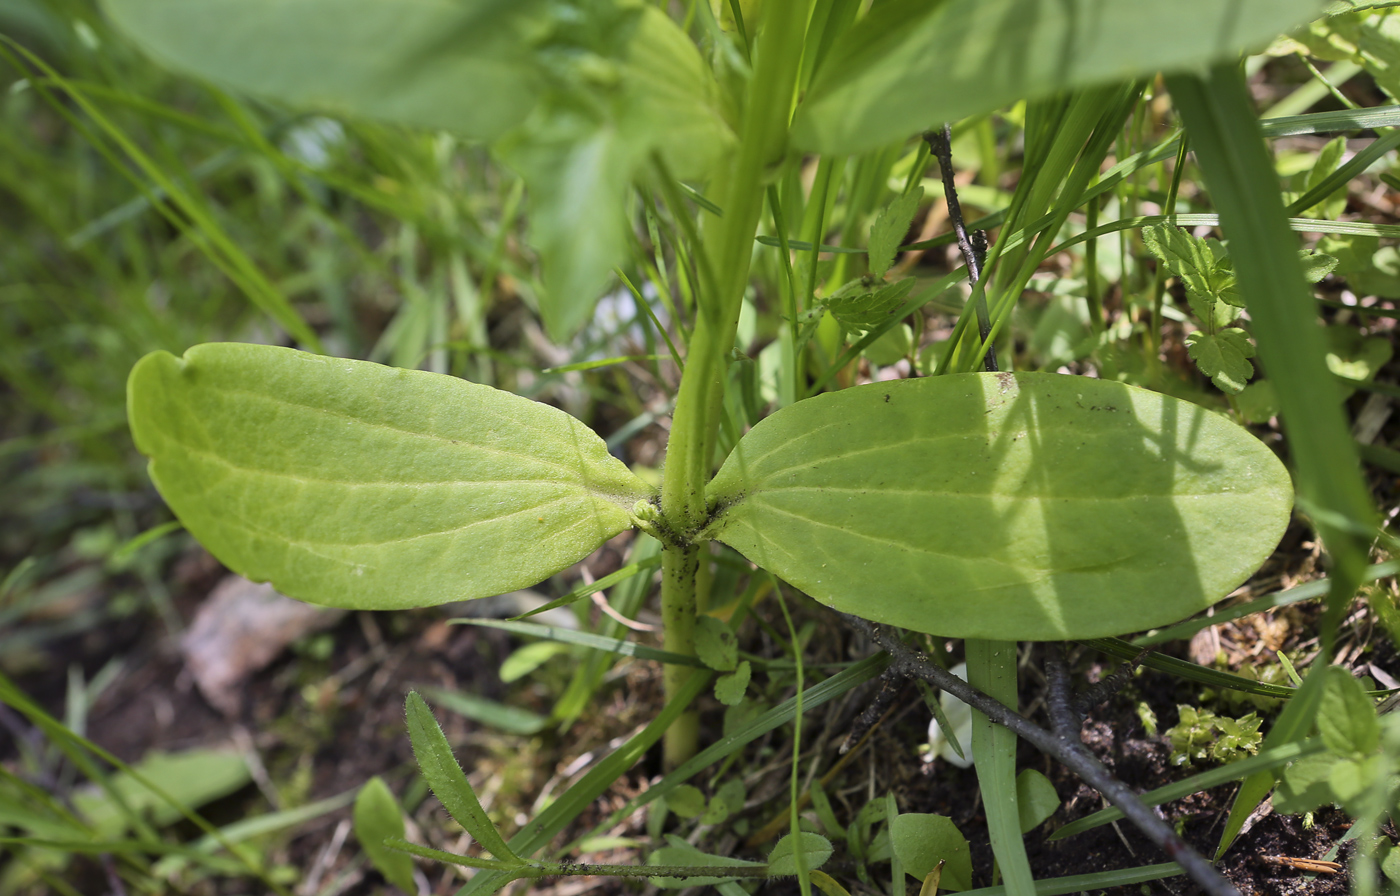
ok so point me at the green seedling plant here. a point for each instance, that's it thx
(995, 506)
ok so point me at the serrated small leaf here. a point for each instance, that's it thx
(377, 817)
(447, 780)
(890, 227)
(686, 801)
(730, 689)
(1347, 718)
(363, 486)
(857, 306)
(922, 841)
(1223, 357)
(815, 849)
(1204, 272)
(715, 644)
(1011, 506)
(1035, 798)
(1316, 265)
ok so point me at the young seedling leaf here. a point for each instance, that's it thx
(448, 781)
(357, 485)
(889, 229)
(377, 818)
(465, 67)
(715, 644)
(1016, 506)
(730, 688)
(922, 841)
(1223, 356)
(1201, 265)
(910, 64)
(1035, 798)
(782, 861)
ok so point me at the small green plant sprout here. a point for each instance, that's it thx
(1201, 735)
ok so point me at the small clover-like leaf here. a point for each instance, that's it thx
(727, 800)
(363, 486)
(887, 233)
(1013, 506)
(1223, 357)
(815, 850)
(730, 689)
(715, 644)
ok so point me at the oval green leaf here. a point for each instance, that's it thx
(1009, 506)
(911, 64)
(363, 486)
(922, 841)
(377, 818)
(460, 65)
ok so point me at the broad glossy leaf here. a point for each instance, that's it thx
(459, 65)
(922, 841)
(1013, 506)
(911, 64)
(357, 485)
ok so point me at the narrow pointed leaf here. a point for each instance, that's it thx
(460, 65)
(910, 64)
(447, 780)
(1020, 506)
(358, 485)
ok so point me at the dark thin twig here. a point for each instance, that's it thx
(974, 246)
(1065, 717)
(1104, 690)
(890, 685)
(1068, 750)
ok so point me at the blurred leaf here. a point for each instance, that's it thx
(860, 305)
(888, 232)
(465, 67)
(357, 485)
(815, 848)
(728, 800)
(1035, 798)
(715, 644)
(193, 777)
(1223, 357)
(501, 716)
(922, 841)
(641, 89)
(730, 689)
(1354, 357)
(686, 801)
(378, 817)
(909, 64)
(1067, 506)
(1368, 268)
(1316, 266)
(1347, 717)
(448, 781)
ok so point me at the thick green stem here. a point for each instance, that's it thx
(728, 248)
